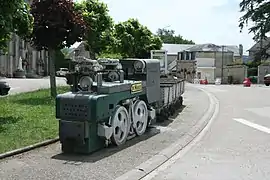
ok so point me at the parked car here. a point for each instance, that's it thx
(4, 88)
(62, 72)
(266, 79)
(218, 81)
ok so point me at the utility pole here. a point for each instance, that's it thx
(261, 45)
(222, 57)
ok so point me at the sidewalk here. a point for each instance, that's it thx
(26, 85)
(109, 163)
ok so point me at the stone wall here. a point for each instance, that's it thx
(238, 73)
(262, 71)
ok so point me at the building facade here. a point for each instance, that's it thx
(210, 61)
(210, 58)
(33, 61)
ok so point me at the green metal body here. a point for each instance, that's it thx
(79, 115)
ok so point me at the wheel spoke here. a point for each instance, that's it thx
(120, 125)
(141, 117)
(123, 125)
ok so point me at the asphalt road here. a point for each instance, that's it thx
(236, 145)
(25, 85)
(110, 163)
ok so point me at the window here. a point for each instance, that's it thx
(193, 55)
(181, 54)
(187, 56)
(199, 75)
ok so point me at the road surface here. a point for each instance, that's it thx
(25, 85)
(236, 145)
(49, 163)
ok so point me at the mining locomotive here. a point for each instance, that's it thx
(114, 100)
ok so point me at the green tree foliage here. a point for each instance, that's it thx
(135, 40)
(258, 12)
(96, 16)
(14, 18)
(56, 25)
(168, 36)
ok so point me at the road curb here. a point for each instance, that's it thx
(157, 160)
(28, 148)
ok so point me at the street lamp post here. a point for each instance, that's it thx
(222, 58)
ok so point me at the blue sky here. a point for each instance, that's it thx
(203, 21)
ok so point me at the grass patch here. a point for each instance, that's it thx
(27, 118)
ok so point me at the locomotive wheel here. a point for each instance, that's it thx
(120, 125)
(140, 117)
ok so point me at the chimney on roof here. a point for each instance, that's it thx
(241, 50)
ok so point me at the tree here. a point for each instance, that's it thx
(257, 11)
(56, 25)
(134, 40)
(15, 17)
(168, 36)
(96, 16)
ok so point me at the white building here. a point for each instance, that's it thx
(210, 58)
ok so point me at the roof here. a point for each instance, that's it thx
(175, 48)
(234, 49)
(75, 46)
(209, 47)
(257, 46)
(204, 47)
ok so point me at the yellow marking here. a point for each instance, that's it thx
(137, 87)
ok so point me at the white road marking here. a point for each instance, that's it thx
(253, 125)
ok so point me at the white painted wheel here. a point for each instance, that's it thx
(120, 125)
(140, 117)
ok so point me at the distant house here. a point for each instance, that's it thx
(236, 51)
(78, 49)
(255, 49)
(209, 57)
(173, 49)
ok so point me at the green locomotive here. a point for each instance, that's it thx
(113, 100)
